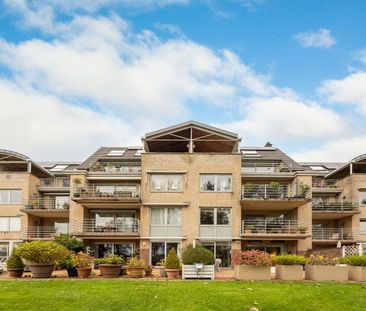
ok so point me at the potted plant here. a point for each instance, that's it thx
(324, 268)
(356, 267)
(248, 228)
(110, 266)
(275, 186)
(41, 256)
(252, 265)
(161, 265)
(136, 267)
(148, 270)
(198, 262)
(302, 229)
(83, 263)
(70, 243)
(77, 183)
(304, 189)
(15, 266)
(289, 267)
(68, 265)
(172, 264)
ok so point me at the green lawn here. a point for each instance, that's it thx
(179, 295)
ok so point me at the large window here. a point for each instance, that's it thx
(221, 250)
(9, 224)
(363, 226)
(4, 250)
(215, 216)
(124, 249)
(216, 183)
(167, 182)
(362, 197)
(10, 196)
(159, 250)
(166, 216)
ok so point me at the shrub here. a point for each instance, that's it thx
(252, 258)
(322, 260)
(70, 243)
(82, 260)
(355, 260)
(67, 263)
(289, 260)
(42, 252)
(172, 260)
(134, 262)
(14, 262)
(198, 254)
(110, 260)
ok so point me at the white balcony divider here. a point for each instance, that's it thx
(109, 191)
(122, 226)
(40, 232)
(47, 203)
(215, 231)
(334, 207)
(274, 226)
(165, 231)
(335, 234)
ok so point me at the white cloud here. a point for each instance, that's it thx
(317, 39)
(173, 29)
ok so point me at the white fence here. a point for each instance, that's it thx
(3, 260)
(358, 249)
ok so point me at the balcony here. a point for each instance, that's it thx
(59, 184)
(326, 186)
(334, 210)
(274, 229)
(333, 235)
(41, 233)
(119, 227)
(115, 168)
(48, 207)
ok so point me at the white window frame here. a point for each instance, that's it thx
(215, 216)
(361, 199)
(9, 218)
(216, 183)
(361, 230)
(165, 217)
(166, 177)
(9, 197)
(165, 247)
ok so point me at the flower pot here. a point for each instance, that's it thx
(289, 273)
(247, 272)
(136, 272)
(148, 272)
(172, 273)
(15, 273)
(326, 273)
(72, 272)
(162, 272)
(357, 273)
(84, 273)
(110, 270)
(124, 270)
(41, 270)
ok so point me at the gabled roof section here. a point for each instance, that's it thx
(16, 162)
(356, 165)
(191, 136)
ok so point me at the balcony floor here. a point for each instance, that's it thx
(47, 213)
(272, 204)
(333, 214)
(274, 236)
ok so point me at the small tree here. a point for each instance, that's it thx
(172, 260)
(70, 243)
(14, 262)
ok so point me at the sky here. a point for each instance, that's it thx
(77, 75)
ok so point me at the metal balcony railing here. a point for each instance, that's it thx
(263, 168)
(47, 203)
(334, 207)
(120, 226)
(335, 234)
(325, 183)
(41, 232)
(59, 182)
(109, 192)
(273, 226)
(116, 168)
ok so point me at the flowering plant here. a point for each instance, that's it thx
(82, 260)
(252, 258)
(322, 260)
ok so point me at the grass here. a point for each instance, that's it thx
(179, 295)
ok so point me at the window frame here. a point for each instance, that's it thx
(215, 209)
(359, 197)
(9, 229)
(9, 196)
(166, 179)
(216, 183)
(165, 216)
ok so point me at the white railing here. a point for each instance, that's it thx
(334, 207)
(41, 232)
(215, 231)
(47, 203)
(334, 234)
(165, 231)
(58, 182)
(271, 191)
(116, 168)
(274, 226)
(120, 226)
(350, 250)
(264, 168)
(325, 183)
(3, 260)
(108, 192)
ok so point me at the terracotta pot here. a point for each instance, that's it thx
(41, 270)
(15, 273)
(136, 272)
(172, 273)
(72, 272)
(109, 270)
(148, 272)
(84, 273)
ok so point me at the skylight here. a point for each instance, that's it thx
(116, 153)
(58, 168)
(138, 152)
(318, 168)
(250, 153)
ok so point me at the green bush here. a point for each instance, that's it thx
(42, 252)
(198, 254)
(110, 260)
(289, 260)
(355, 260)
(172, 260)
(66, 263)
(14, 262)
(82, 260)
(70, 243)
(134, 262)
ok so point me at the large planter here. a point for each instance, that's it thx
(326, 273)
(110, 270)
(190, 272)
(72, 272)
(41, 270)
(172, 273)
(357, 273)
(84, 273)
(247, 272)
(15, 273)
(289, 273)
(136, 272)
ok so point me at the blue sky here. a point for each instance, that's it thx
(83, 75)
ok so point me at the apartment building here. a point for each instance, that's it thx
(189, 183)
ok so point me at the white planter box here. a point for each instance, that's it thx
(190, 272)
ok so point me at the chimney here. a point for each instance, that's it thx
(268, 144)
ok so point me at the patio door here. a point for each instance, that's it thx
(124, 249)
(159, 250)
(221, 250)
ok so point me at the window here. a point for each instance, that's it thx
(159, 250)
(9, 224)
(10, 196)
(363, 226)
(58, 168)
(166, 216)
(116, 153)
(250, 153)
(362, 197)
(215, 216)
(167, 183)
(216, 183)
(61, 202)
(4, 250)
(318, 168)
(221, 250)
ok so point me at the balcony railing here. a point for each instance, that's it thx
(55, 183)
(274, 226)
(109, 192)
(264, 168)
(268, 191)
(334, 207)
(50, 203)
(335, 234)
(41, 232)
(325, 183)
(121, 226)
(116, 168)
(165, 231)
